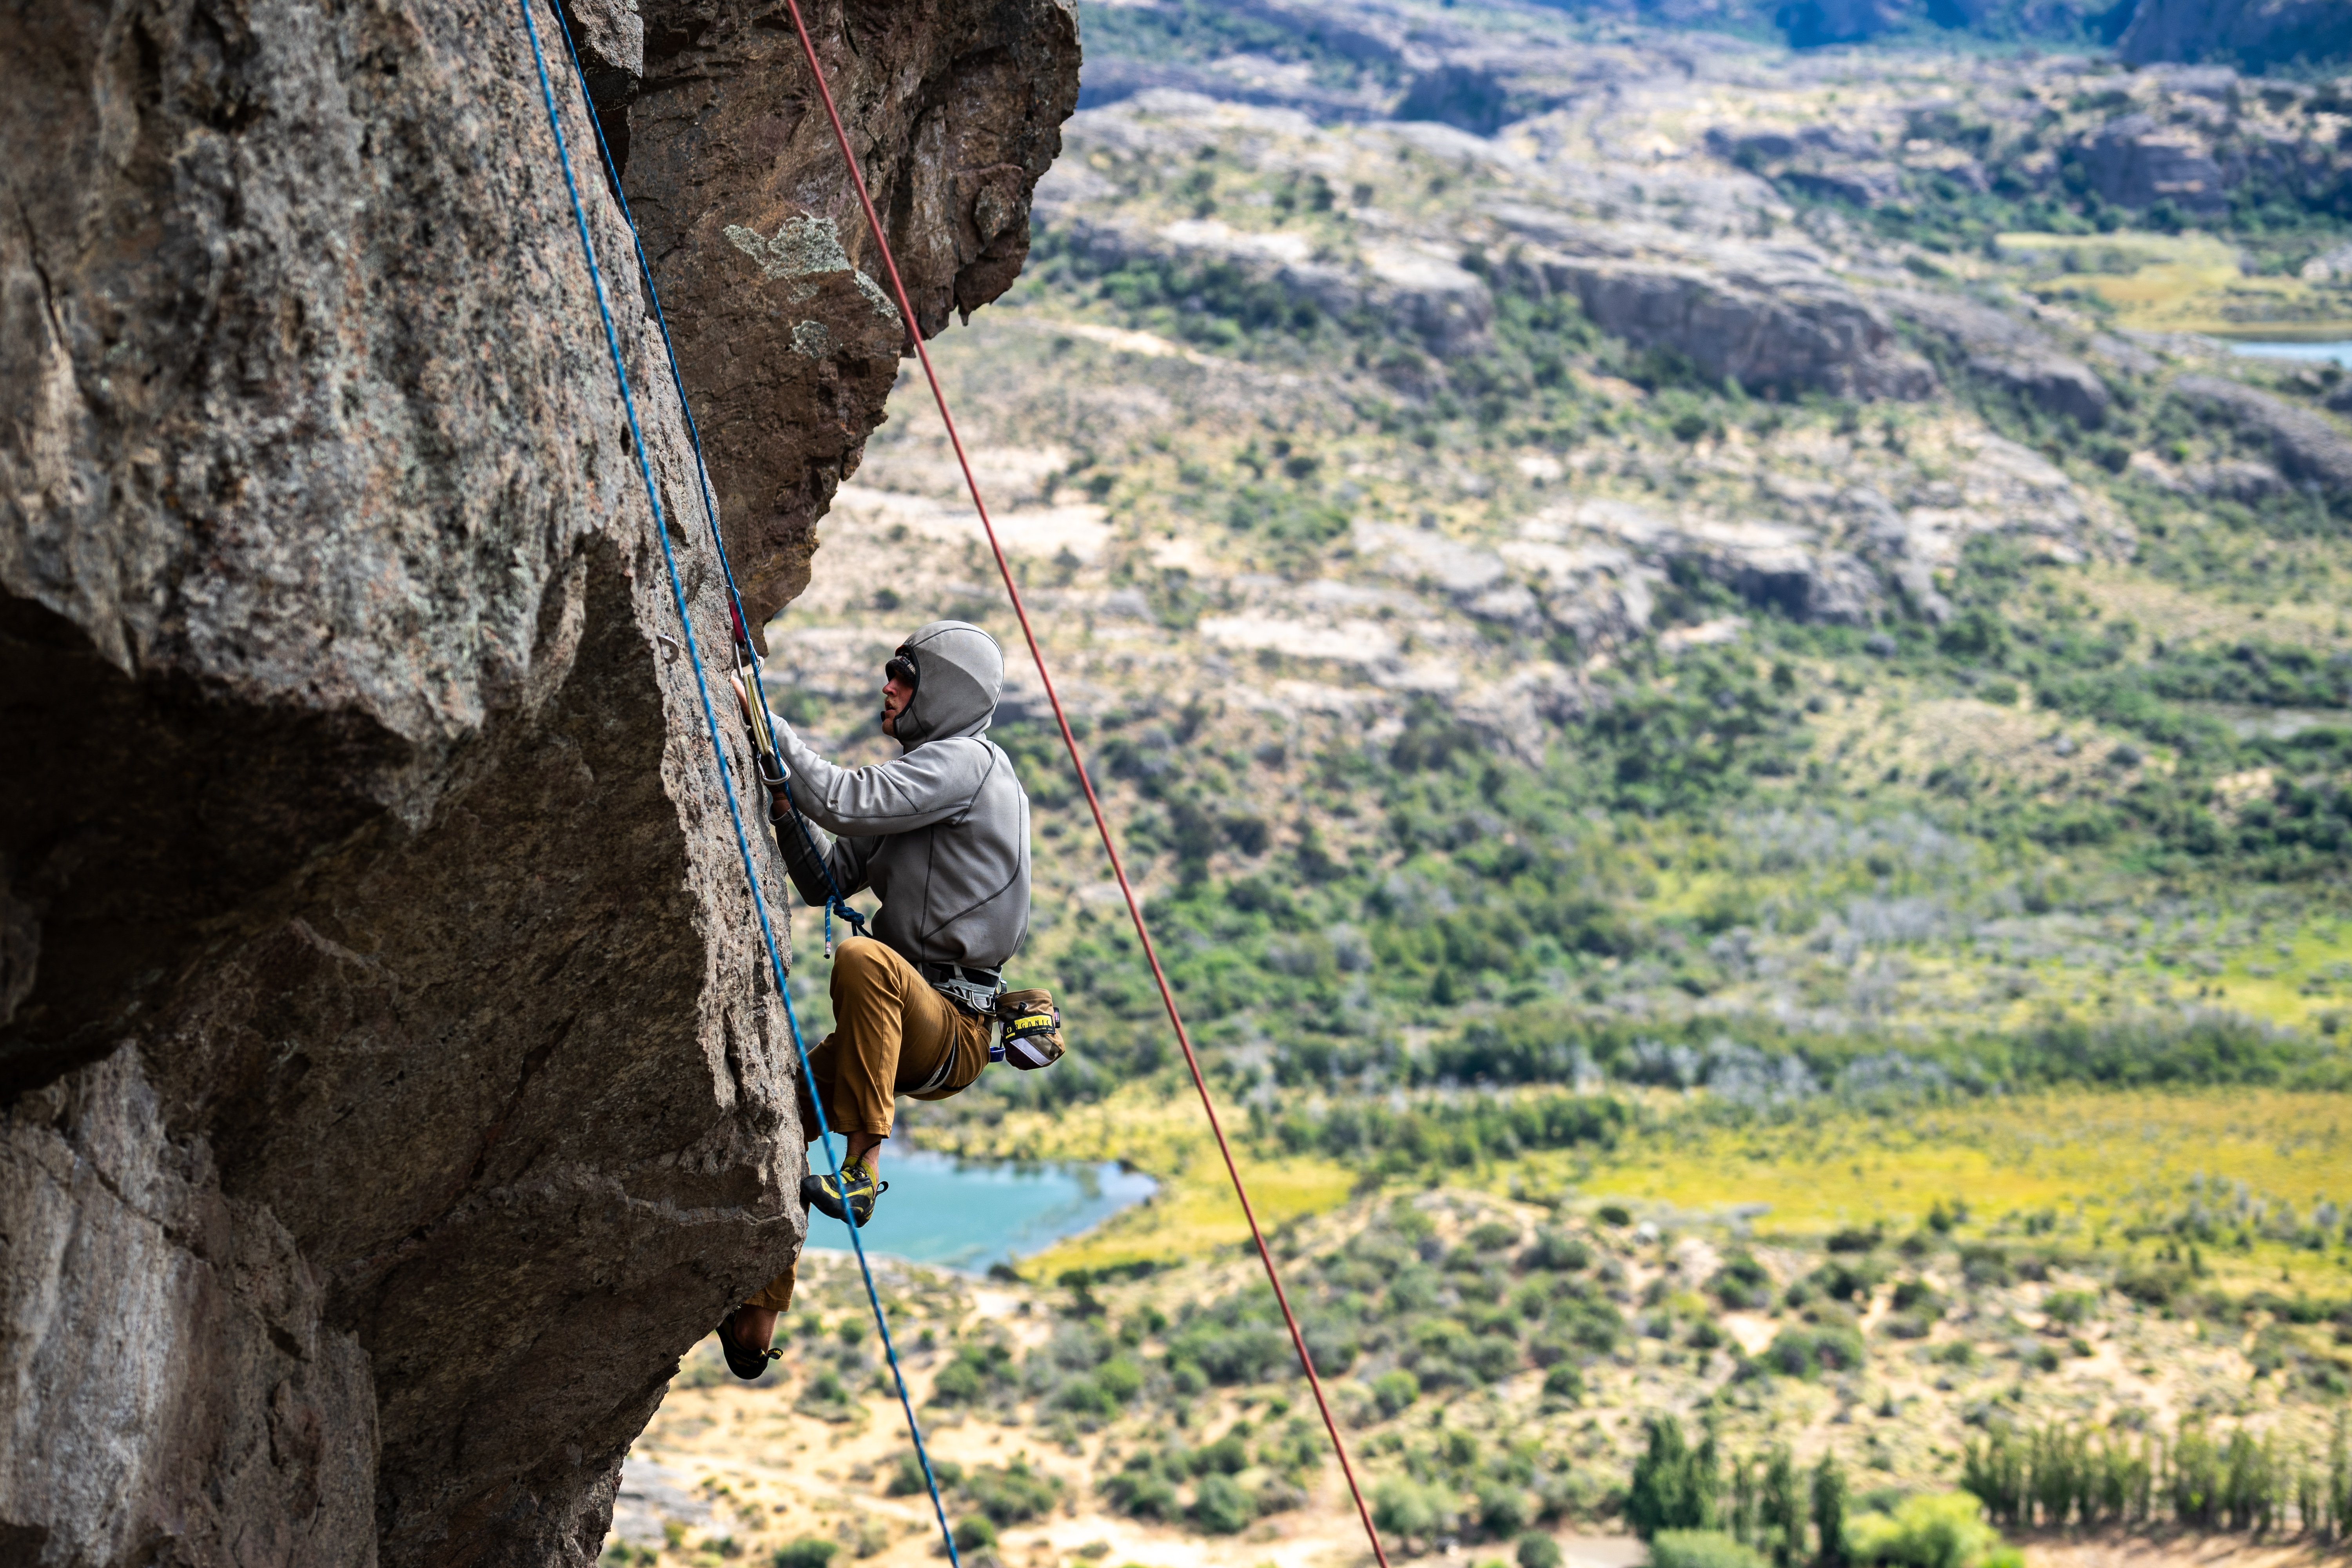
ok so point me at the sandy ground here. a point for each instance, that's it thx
(2110, 1550)
(736, 1466)
(769, 1475)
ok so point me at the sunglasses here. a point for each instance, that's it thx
(901, 669)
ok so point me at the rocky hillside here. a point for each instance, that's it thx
(392, 1087)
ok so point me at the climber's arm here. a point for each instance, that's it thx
(929, 784)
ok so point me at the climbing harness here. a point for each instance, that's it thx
(701, 684)
(1086, 781)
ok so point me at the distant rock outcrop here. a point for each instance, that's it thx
(1417, 287)
(1771, 317)
(1836, 557)
(390, 1086)
(2253, 33)
(2309, 448)
(2135, 162)
(2005, 351)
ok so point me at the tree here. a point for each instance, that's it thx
(1829, 1512)
(1781, 1528)
(1674, 1485)
(1743, 1502)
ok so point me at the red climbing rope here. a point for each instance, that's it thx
(1085, 782)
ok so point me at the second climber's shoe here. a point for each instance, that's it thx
(850, 1199)
(742, 1359)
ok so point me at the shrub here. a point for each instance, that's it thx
(976, 1533)
(1493, 1236)
(1491, 1359)
(1595, 1325)
(1916, 1296)
(1614, 1214)
(2068, 1306)
(1502, 1510)
(967, 1379)
(1700, 1549)
(808, 1552)
(1741, 1283)
(1241, 1355)
(1555, 1253)
(2153, 1285)
(1801, 1353)
(1225, 1457)
(1086, 1398)
(1943, 1529)
(1983, 1265)
(1331, 1344)
(908, 1479)
(1013, 1493)
(1393, 1391)
(1537, 1550)
(1141, 1491)
(1221, 1507)
(1402, 1506)
(1564, 1382)
(1845, 1281)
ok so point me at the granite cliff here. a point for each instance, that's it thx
(390, 1087)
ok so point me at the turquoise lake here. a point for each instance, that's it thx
(969, 1214)
(2321, 353)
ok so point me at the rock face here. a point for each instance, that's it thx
(761, 253)
(380, 1002)
(2135, 162)
(2309, 449)
(1772, 317)
(2006, 352)
(2251, 33)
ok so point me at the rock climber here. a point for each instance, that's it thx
(942, 834)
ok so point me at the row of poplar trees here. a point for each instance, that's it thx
(2056, 1476)
(2051, 1476)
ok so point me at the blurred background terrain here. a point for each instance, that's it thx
(1717, 634)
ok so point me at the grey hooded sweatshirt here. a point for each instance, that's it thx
(941, 832)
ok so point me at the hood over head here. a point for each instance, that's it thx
(959, 671)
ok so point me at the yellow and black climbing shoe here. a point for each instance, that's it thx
(851, 1199)
(742, 1359)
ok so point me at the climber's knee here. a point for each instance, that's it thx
(858, 963)
(865, 969)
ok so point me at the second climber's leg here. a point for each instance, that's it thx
(750, 1329)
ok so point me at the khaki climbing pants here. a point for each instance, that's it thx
(893, 1034)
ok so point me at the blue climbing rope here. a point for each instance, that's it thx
(709, 718)
(836, 901)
